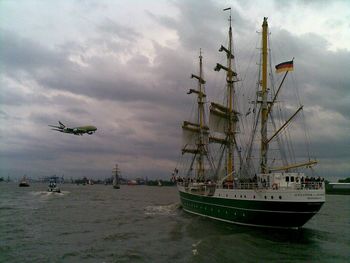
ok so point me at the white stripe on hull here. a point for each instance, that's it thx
(247, 209)
(239, 223)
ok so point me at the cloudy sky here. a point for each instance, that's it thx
(124, 67)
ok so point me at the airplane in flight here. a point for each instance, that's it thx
(76, 130)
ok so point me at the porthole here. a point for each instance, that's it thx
(265, 196)
(280, 197)
(271, 197)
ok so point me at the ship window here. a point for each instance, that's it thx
(254, 196)
(244, 196)
(280, 197)
(287, 178)
(241, 196)
(265, 196)
(235, 195)
(271, 197)
(292, 178)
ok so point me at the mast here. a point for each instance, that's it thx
(230, 89)
(264, 108)
(200, 119)
(230, 103)
(195, 135)
(223, 118)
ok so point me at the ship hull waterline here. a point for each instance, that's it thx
(286, 215)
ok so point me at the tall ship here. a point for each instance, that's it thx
(240, 167)
(115, 172)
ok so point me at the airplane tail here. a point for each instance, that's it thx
(62, 125)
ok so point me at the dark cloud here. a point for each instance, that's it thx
(322, 74)
(18, 53)
(138, 101)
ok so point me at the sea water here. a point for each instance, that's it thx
(96, 223)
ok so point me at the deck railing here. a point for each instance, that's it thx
(254, 185)
(274, 186)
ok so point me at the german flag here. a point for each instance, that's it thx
(285, 66)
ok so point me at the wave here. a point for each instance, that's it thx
(162, 209)
(47, 193)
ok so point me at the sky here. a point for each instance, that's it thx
(125, 67)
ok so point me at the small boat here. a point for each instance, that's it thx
(116, 177)
(23, 182)
(53, 187)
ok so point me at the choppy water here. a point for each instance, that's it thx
(146, 224)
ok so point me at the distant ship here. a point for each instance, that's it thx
(338, 188)
(230, 178)
(116, 177)
(132, 182)
(24, 182)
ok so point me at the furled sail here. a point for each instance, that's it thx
(191, 133)
(219, 118)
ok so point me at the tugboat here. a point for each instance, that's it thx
(23, 182)
(246, 175)
(53, 185)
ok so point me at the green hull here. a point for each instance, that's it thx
(251, 212)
